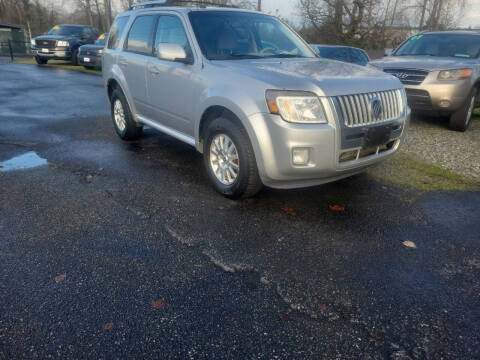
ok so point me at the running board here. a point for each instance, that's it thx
(178, 135)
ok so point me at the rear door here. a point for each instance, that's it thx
(133, 60)
(171, 85)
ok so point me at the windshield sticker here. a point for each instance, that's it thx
(56, 27)
(101, 37)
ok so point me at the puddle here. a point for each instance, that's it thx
(22, 162)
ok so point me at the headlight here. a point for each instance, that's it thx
(63, 43)
(32, 41)
(455, 74)
(100, 51)
(296, 106)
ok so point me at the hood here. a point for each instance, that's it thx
(331, 77)
(91, 47)
(57, 37)
(423, 63)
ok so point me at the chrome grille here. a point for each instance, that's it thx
(408, 76)
(46, 44)
(356, 110)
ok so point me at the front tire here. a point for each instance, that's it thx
(41, 61)
(230, 161)
(461, 119)
(125, 126)
(75, 57)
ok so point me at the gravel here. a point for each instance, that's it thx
(430, 139)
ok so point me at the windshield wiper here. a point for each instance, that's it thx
(284, 56)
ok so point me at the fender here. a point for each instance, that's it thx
(117, 75)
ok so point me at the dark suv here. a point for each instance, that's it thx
(62, 42)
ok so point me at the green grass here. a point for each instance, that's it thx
(60, 65)
(407, 170)
(477, 113)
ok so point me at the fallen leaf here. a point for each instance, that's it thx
(89, 177)
(1, 165)
(158, 304)
(287, 318)
(108, 326)
(409, 244)
(289, 210)
(100, 170)
(60, 278)
(199, 265)
(221, 208)
(337, 208)
(321, 306)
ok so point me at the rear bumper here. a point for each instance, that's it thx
(54, 54)
(274, 141)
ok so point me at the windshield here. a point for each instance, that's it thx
(101, 40)
(226, 35)
(66, 30)
(444, 45)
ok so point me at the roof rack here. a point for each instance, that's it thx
(199, 3)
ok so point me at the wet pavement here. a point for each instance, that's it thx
(123, 250)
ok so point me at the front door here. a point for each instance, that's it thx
(171, 85)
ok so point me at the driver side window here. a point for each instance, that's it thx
(170, 31)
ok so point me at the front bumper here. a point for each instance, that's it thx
(55, 54)
(90, 60)
(438, 97)
(274, 141)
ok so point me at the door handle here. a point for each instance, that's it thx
(154, 70)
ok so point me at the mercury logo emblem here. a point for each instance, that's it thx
(377, 107)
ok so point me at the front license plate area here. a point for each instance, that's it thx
(376, 136)
(86, 59)
(44, 50)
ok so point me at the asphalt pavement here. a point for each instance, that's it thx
(112, 249)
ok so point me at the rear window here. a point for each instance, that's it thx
(140, 37)
(116, 31)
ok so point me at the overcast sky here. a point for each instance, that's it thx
(287, 9)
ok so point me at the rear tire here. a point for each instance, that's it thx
(230, 161)
(461, 119)
(125, 125)
(41, 61)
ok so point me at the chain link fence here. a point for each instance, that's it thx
(14, 49)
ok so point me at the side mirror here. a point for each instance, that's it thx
(173, 52)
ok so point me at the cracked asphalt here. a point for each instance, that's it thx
(123, 250)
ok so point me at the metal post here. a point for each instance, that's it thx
(10, 48)
(259, 6)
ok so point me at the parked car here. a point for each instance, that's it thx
(246, 91)
(62, 42)
(441, 73)
(342, 53)
(90, 56)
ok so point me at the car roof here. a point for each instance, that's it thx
(187, 10)
(75, 25)
(453, 32)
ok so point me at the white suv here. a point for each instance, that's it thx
(246, 91)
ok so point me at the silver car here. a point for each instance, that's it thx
(246, 91)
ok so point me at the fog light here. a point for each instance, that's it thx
(444, 104)
(300, 156)
(349, 156)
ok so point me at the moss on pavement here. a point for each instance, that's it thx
(60, 65)
(407, 170)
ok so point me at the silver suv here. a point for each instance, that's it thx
(441, 73)
(246, 91)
